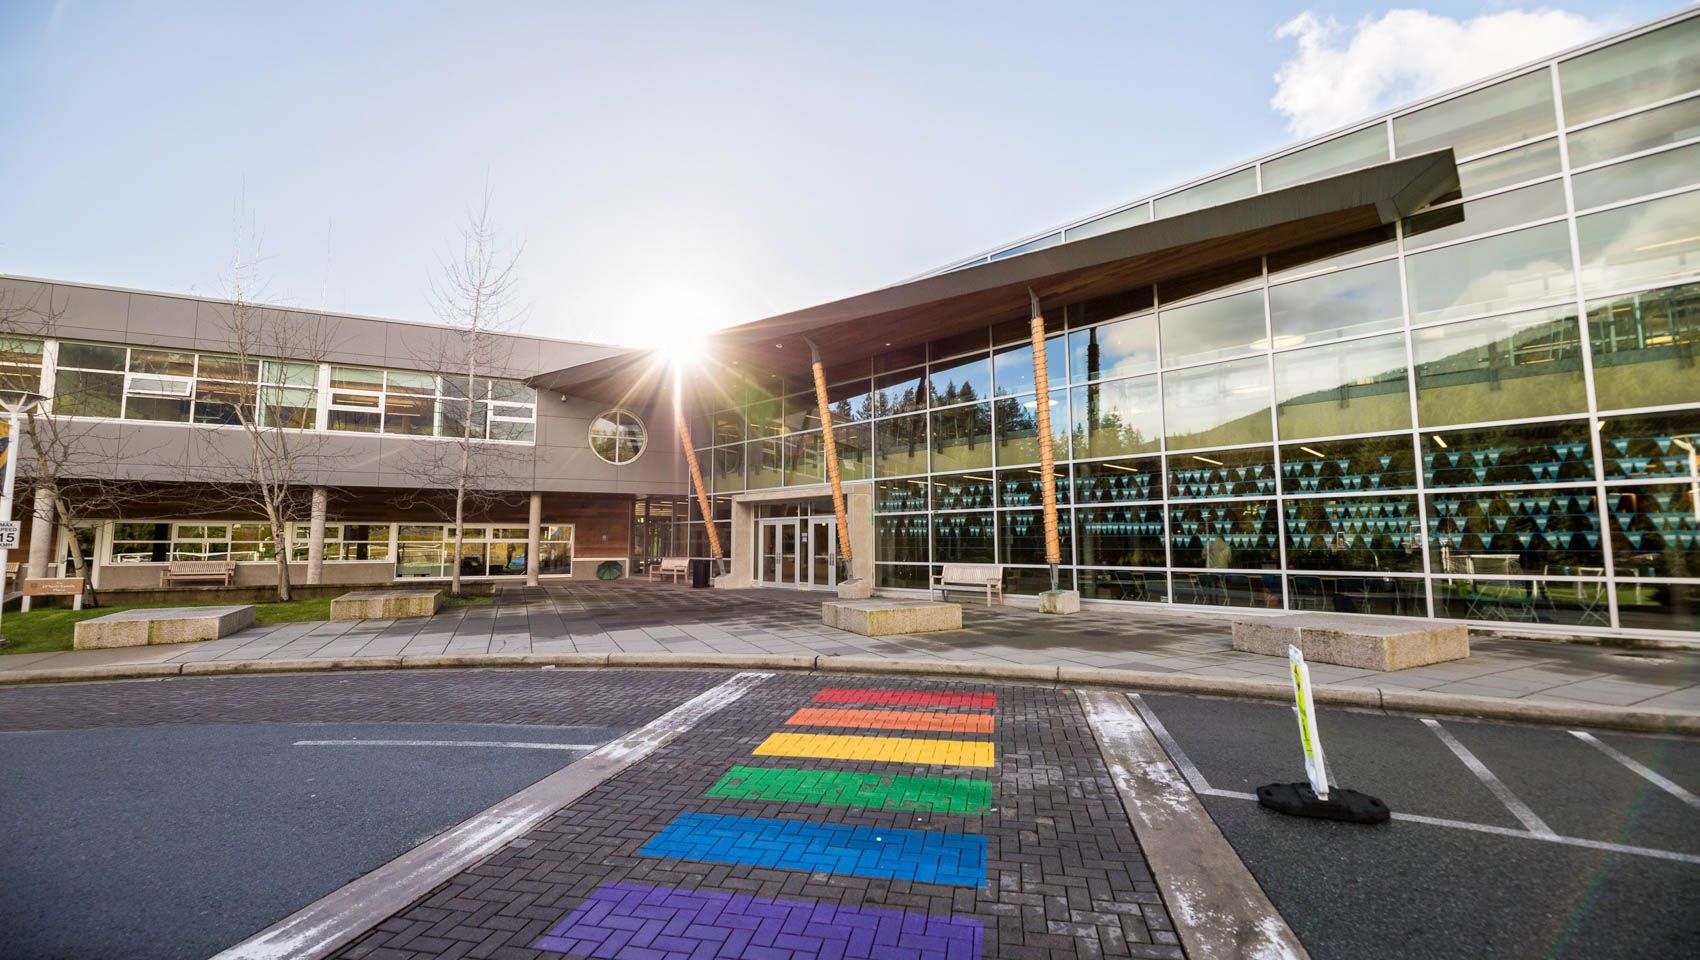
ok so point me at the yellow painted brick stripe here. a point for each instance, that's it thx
(944, 753)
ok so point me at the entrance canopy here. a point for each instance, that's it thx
(1342, 211)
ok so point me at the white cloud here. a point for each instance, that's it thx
(1342, 74)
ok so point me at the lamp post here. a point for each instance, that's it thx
(15, 402)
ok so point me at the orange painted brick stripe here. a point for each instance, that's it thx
(893, 720)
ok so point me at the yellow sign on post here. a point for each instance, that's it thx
(1316, 768)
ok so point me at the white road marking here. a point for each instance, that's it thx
(1201, 786)
(1194, 777)
(1219, 910)
(1652, 776)
(1507, 832)
(513, 744)
(1518, 808)
(335, 919)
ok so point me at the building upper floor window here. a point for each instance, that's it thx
(618, 436)
(171, 386)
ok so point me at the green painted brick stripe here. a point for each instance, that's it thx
(836, 788)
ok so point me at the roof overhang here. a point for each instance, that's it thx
(938, 306)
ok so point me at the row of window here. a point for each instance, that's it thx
(1641, 604)
(1595, 87)
(1652, 532)
(172, 386)
(1642, 343)
(1652, 446)
(1113, 423)
(417, 550)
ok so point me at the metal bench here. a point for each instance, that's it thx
(675, 567)
(220, 570)
(969, 576)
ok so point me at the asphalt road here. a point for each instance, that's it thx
(1482, 884)
(177, 841)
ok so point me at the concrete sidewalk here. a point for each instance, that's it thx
(631, 617)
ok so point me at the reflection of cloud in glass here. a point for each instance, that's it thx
(1485, 275)
(1646, 241)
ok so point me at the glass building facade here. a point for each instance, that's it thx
(1488, 411)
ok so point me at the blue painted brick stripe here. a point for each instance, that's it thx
(631, 921)
(926, 856)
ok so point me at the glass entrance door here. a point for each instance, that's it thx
(779, 552)
(823, 553)
(798, 552)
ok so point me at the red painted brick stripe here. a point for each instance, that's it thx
(907, 698)
(892, 720)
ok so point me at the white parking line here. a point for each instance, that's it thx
(512, 744)
(1518, 808)
(1652, 776)
(1195, 779)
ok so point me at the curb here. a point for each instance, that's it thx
(1375, 698)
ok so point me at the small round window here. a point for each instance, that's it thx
(618, 436)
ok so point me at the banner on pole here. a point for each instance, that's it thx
(1316, 768)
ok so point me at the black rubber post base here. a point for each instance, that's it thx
(1300, 800)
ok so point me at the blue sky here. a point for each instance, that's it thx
(666, 165)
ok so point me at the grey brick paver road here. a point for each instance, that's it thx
(1063, 874)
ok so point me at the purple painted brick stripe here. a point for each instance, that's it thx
(630, 921)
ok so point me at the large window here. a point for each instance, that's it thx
(1640, 243)
(1671, 123)
(1495, 273)
(1359, 386)
(1216, 328)
(1336, 304)
(1640, 70)
(1507, 112)
(1116, 417)
(1218, 405)
(344, 541)
(1645, 347)
(1509, 209)
(1500, 368)
(1119, 348)
(1516, 165)
(1654, 173)
(427, 550)
(1360, 534)
(173, 386)
(1220, 190)
(1350, 152)
(962, 437)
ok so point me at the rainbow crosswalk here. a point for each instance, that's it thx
(667, 923)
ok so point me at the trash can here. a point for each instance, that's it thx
(699, 573)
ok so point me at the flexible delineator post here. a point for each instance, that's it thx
(830, 449)
(1047, 462)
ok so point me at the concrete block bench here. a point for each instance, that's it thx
(881, 618)
(136, 628)
(386, 604)
(1367, 643)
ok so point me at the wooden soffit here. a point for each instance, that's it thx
(938, 306)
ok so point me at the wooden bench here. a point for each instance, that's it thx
(969, 576)
(675, 567)
(220, 570)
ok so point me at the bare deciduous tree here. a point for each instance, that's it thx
(268, 386)
(473, 301)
